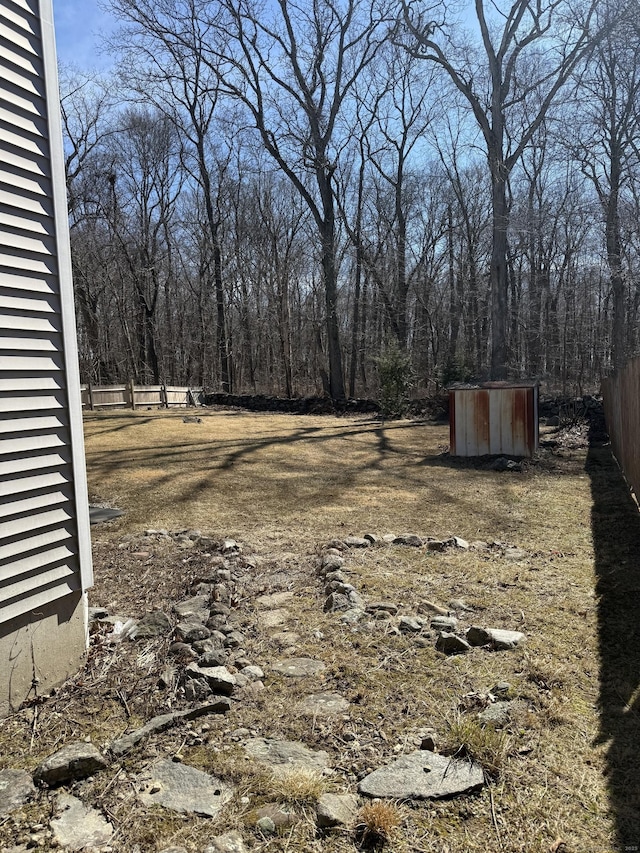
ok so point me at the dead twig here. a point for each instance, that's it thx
(494, 818)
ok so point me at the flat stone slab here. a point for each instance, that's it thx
(286, 753)
(323, 705)
(78, 826)
(336, 810)
(219, 679)
(230, 842)
(184, 789)
(299, 667)
(273, 618)
(76, 760)
(16, 789)
(274, 599)
(423, 775)
(99, 514)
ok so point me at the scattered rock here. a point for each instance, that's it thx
(266, 826)
(337, 601)
(16, 789)
(230, 842)
(451, 644)
(408, 539)
(515, 554)
(501, 689)
(498, 639)
(79, 827)
(299, 667)
(323, 705)
(219, 679)
(279, 814)
(153, 624)
(444, 623)
(184, 789)
(439, 544)
(336, 810)
(193, 608)
(372, 538)
(218, 705)
(410, 625)
(460, 604)
(279, 753)
(353, 616)
(460, 543)
(357, 542)
(382, 606)
(77, 760)
(504, 464)
(498, 714)
(430, 607)
(423, 775)
(189, 632)
(252, 672)
(332, 563)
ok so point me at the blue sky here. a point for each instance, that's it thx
(79, 25)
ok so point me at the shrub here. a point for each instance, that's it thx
(396, 379)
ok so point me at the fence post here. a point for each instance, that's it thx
(164, 397)
(90, 392)
(132, 393)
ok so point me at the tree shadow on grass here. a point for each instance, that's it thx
(615, 523)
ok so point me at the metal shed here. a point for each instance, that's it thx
(496, 418)
(45, 546)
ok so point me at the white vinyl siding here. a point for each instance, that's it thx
(44, 534)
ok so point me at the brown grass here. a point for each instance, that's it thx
(284, 485)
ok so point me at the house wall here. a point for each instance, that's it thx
(45, 549)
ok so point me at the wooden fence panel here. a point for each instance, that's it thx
(621, 398)
(130, 396)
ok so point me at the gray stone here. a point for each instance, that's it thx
(336, 602)
(461, 543)
(274, 599)
(352, 616)
(516, 555)
(218, 678)
(357, 542)
(372, 537)
(332, 563)
(410, 625)
(195, 689)
(498, 714)
(440, 544)
(285, 639)
(218, 705)
(230, 842)
(323, 705)
(423, 775)
(504, 640)
(16, 788)
(340, 587)
(184, 789)
(183, 652)
(193, 608)
(279, 814)
(78, 827)
(356, 600)
(504, 464)
(217, 657)
(234, 640)
(153, 624)
(408, 539)
(336, 810)
(230, 546)
(191, 631)
(460, 604)
(266, 825)
(252, 672)
(299, 667)
(382, 607)
(285, 753)
(451, 644)
(336, 576)
(444, 623)
(388, 538)
(477, 636)
(501, 689)
(97, 613)
(76, 760)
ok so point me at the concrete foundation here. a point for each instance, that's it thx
(41, 649)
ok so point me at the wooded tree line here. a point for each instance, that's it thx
(272, 196)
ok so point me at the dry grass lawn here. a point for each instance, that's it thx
(284, 486)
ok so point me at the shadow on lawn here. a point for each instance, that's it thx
(615, 523)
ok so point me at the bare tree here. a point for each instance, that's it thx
(529, 49)
(294, 66)
(607, 121)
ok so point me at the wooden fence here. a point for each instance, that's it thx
(621, 398)
(131, 396)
